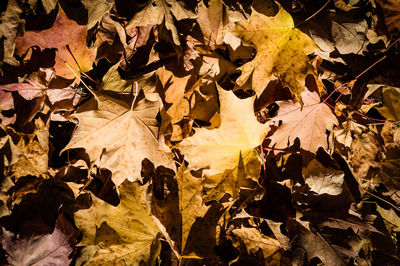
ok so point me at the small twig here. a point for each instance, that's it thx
(313, 15)
(375, 196)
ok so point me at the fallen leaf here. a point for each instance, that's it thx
(281, 50)
(349, 36)
(125, 234)
(30, 151)
(11, 27)
(308, 123)
(344, 134)
(48, 249)
(183, 105)
(313, 245)
(356, 224)
(74, 36)
(177, 210)
(96, 10)
(363, 156)
(229, 148)
(391, 107)
(49, 5)
(322, 179)
(211, 22)
(121, 151)
(159, 11)
(254, 241)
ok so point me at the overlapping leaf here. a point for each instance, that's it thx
(281, 50)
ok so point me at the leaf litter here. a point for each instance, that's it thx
(213, 132)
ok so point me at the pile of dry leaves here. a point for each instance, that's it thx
(200, 132)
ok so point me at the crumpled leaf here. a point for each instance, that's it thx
(347, 130)
(308, 123)
(158, 11)
(254, 241)
(125, 234)
(50, 38)
(322, 179)
(281, 50)
(363, 156)
(11, 27)
(229, 148)
(128, 135)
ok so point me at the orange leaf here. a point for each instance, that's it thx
(63, 32)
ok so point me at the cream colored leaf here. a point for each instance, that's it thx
(211, 22)
(308, 123)
(281, 50)
(344, 133)
(322, 179)
(125, 233)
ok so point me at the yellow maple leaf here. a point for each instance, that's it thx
(126, 233)
(281, 50)
(228, 151)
